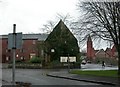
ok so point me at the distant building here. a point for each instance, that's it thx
(92, 53)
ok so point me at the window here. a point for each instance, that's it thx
(32, 55)
(6, 50)
(9, 50)
(22, 50)
(7, 58)
(22, 58)
(34, 42)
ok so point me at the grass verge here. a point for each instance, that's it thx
(104, 73)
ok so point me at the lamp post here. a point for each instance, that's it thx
(68, 59)
(52, 52)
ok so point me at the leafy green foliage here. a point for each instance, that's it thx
(35, 60)
(62, 41)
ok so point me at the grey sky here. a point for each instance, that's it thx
(30, 15)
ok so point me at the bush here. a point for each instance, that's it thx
(16, 61)
(27, 66)
(35, 60)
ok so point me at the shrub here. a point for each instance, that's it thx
(35, 60)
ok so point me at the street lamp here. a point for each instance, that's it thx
(52, 50)
(68, 59)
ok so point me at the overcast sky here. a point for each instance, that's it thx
(30, 15)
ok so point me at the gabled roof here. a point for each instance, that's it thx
(108, 49)
(101, 50)
(60, 29)
(96, 51)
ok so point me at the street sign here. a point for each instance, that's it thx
(18, 39)
(14, 42)
(72, 59)
(65, 59)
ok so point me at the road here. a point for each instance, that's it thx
(97, 67)
(38, 77)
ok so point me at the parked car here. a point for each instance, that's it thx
(83, 62)
(88, 61)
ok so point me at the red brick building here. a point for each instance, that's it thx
(90, 49)
(28, 50)
(92, 54)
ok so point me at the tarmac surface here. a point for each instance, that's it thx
(105, 81)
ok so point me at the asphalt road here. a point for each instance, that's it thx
(38, 77)
(97, 67)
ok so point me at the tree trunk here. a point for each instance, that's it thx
(119, 63)
(118, 50)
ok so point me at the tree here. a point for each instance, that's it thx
(102, 20)
(48, 27)
(40, 48)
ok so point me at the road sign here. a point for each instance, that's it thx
(18, 39)
(65, 59)
(72, 59)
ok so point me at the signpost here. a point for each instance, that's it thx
(14, 42)
(68, 60)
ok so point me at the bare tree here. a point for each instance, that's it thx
(48, 27)
(102, 20)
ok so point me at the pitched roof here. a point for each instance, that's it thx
(60, 29)
(108, 49)
(101, 50)
(89, 38)
(35, 36)
(30, 36)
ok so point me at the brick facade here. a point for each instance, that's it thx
(28, 50)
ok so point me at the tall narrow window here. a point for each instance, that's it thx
(34, 42)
